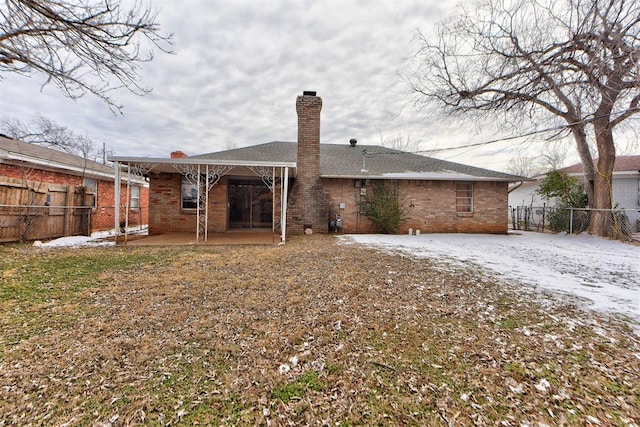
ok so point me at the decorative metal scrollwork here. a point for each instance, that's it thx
(266, 174)
(214, 173)
(277, 209)
(140, 169)
(190, 172)
(203, 177)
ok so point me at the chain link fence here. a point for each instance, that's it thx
(621, 224)
(27, 223)
(22, 223)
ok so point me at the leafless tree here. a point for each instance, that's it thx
(552, 155)
(43, 131)
(402, 143)
(82, 46)
(574, 62)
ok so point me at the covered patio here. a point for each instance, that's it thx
(207, 199)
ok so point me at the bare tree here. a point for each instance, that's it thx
(402, 143)
(552, 155)
(574, 62)
(43, 131)
(82, 46)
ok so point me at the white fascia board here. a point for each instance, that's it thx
(192, 161)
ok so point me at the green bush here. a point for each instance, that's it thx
(569, 192)
(384, 207)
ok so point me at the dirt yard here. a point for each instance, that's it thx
(310, 333)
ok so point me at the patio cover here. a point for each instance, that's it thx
(205, 173)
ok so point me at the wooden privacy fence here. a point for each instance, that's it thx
(41, 211)
(27, 223)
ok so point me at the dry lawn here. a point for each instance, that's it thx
(310, 333)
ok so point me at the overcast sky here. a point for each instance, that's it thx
(238, 67)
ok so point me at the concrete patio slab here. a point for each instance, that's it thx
(185, 239)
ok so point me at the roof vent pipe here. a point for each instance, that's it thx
(353, 142)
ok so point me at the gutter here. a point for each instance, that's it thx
(88, 172)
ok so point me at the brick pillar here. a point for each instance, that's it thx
(308, 202)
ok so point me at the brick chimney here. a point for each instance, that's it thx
(308, 107)
(309, 206)
(178, 155)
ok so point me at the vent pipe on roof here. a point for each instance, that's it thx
(353, 142)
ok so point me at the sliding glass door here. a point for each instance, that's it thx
(250, 205)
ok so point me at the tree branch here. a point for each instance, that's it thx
(96, 38)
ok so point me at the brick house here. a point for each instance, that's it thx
(305, 186)
(45, 194)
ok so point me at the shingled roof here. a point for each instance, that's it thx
(364, 162)
(19, 151)
(622, 164)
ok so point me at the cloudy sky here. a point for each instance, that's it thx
(238, 67)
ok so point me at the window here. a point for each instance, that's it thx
(190, 195)
(91, 191)
(135, 197)
(464, 197)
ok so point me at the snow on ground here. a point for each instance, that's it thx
(603, 274)
(98, 238)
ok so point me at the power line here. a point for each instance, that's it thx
(509, 138)
(493, 141)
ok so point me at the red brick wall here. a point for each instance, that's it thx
(167, 215)
(102, 217)
(430, 207)
(38, 175)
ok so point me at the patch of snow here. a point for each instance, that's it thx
(98, 238)
(603, 274)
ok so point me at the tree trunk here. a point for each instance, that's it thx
(602, 223)
(580, 136)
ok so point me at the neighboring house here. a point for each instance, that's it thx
(625, 185)
(47, 193)
(307, 186)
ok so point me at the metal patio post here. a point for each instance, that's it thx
(116, 197)
(283, 209)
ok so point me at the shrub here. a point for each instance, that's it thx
(569, 193)
(384, 207)
(560, 220)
